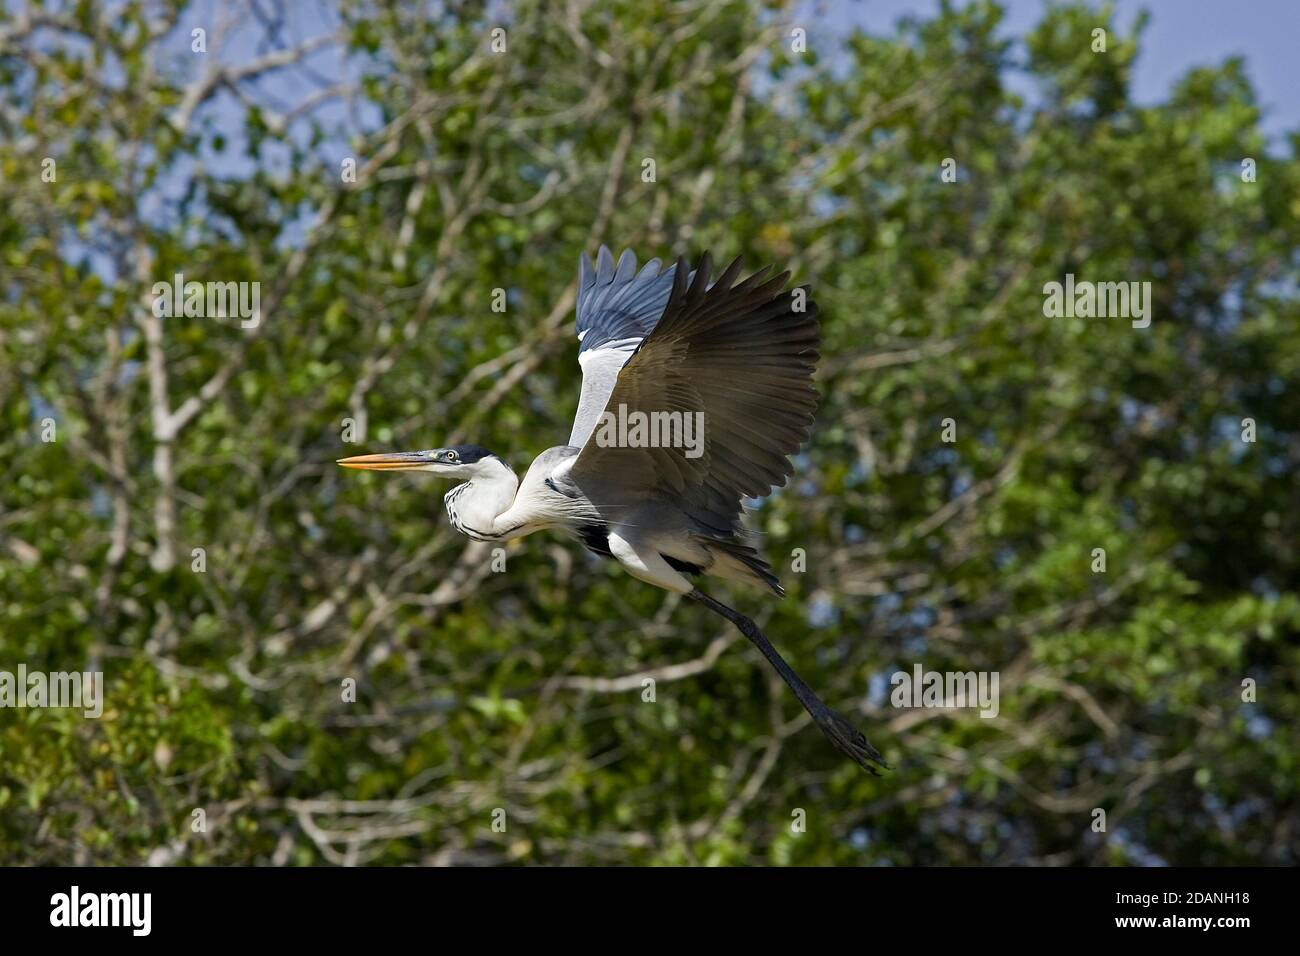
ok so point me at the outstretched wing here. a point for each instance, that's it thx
(617, 308)
(743, 355)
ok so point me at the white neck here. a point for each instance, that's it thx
(474, 507)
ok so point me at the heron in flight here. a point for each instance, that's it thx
(737, 356)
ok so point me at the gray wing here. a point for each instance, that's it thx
(617, 309)
(742, 354)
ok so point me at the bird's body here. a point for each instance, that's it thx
(656, 541)
(722, 370)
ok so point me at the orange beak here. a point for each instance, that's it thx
(397, 461)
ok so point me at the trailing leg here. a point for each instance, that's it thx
(841, 732)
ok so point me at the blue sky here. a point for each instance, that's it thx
(1181, 34)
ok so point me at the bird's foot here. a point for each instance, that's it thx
(849, 740)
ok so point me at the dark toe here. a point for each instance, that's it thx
(850, 741)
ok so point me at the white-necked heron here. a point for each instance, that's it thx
(669, 348)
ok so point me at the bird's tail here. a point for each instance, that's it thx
(738, 561)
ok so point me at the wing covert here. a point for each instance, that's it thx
(617, 308)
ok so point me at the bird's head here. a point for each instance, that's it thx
(462, 462)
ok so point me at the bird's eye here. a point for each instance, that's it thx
(451, 456)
